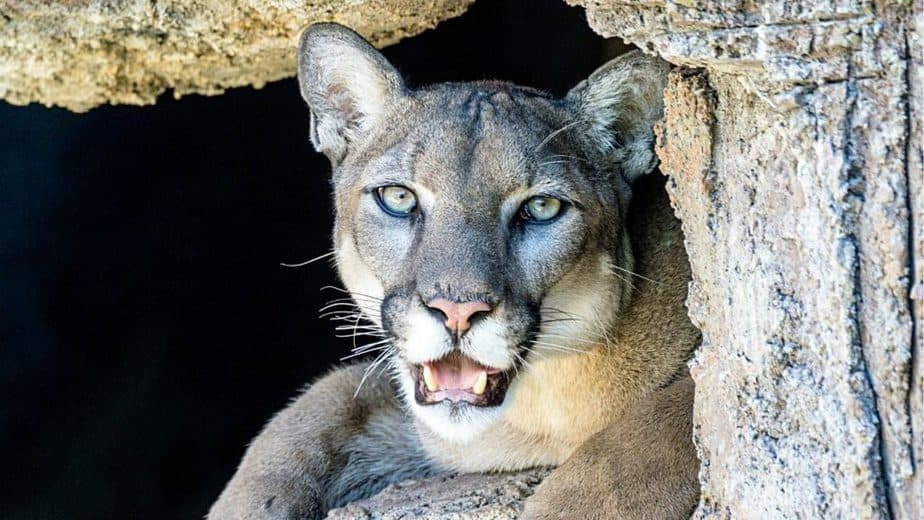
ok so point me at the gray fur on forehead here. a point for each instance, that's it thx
(489, 124)
(493, 106)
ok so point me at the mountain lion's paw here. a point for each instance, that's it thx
(558, 498)
(267, 500)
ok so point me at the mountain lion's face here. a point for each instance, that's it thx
(478, 225)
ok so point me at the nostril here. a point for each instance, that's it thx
(437, 313)
(478, 314)
(468, 311)
(458, 315)
(446, 311)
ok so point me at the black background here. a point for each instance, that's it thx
(147, 330)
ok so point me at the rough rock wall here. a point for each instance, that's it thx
(461, 497)
(82, 53)
(795, 156)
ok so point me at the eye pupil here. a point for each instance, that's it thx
(541, 209)
(396, 200)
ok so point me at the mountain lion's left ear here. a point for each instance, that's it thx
(619, 104)
(347, 84)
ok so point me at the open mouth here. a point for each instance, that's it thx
(458, 378)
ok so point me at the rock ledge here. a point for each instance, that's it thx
(79, 54)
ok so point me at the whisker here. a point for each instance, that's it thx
(334, 288)
(521, 359)
(331, 306)
(306, 262)
(554, 320)
(566, 347)
(553, 342)
(364, 352)
(547, 163)
(623, 269)
(366, 332)
(344, 299)
(557, 310)
(359, 298)
(555, 133)
(560, 348)
(562, 336)
(340, 308)
(381, 357)
(338, 304)
(356, 324)
(566, 156)
(341, 315)
(602, 328)
(344, 291)
(536, 353)
(374, 344)
(349, 299)
(355, 309)
(363, 328)
(626, 280)
(369, 335)
(386, 362)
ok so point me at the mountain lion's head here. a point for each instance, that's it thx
(479, 225)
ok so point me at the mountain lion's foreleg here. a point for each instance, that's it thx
(643, 466)
(326, 449)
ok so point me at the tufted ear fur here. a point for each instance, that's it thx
(620, 103)
(347, 84)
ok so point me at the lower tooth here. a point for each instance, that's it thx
(480, 384)
(429, 380)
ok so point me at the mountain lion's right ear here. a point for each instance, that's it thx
(347, 84)
(619, 104)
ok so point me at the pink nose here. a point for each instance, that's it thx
(458, 315)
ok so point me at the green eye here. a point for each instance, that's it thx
(395, 200)
(541, 209)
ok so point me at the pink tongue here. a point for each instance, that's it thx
(456, 372)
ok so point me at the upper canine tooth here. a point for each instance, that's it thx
(429, 380)
(481, 383)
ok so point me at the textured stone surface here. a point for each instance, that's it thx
(795, 163)
(462, 497)
(82, 53)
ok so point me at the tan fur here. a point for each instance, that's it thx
(605, 394)
(641, 466)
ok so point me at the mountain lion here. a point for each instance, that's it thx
(523, 284)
